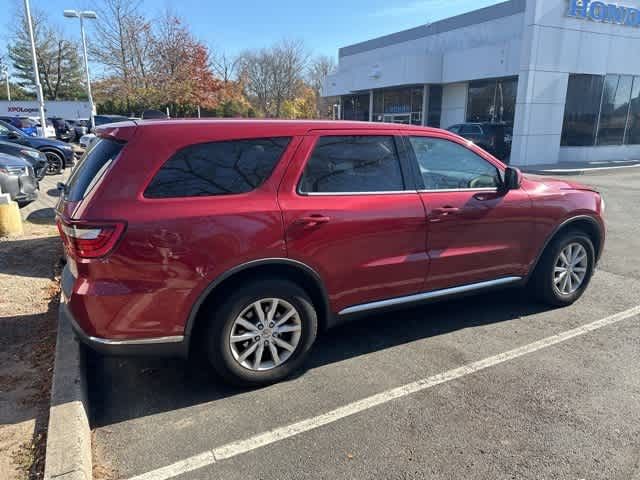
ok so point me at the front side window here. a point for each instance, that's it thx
(217, 168)
(350, 164)
(447, 165)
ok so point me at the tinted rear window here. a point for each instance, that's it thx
(91, 168)
(217, 168)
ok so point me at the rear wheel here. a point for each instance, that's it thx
(565, 269)
(262, 333)
(55, 163)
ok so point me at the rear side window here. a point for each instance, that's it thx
(218, 168)
(91, 168)
(353, 164)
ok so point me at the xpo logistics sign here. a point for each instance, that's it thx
(604, 12)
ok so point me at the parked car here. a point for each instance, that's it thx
(49, 130)
(104, 119)
(495, 138)
(60, 155)
(63, 129)
(18, 179)
(36, 158)
(27, 126)
(80, 128)
(86, 140)
(250, 237)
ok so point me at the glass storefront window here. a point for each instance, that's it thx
(492, 100)
(435, 106)
(633, 131)
(601, 110)
(355, 107)
(398, 105)
(581, 110)
(614, 109)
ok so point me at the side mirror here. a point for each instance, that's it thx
(512, 179)
(13, 135)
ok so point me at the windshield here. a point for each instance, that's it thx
(5, 128)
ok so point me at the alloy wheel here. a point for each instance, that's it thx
(265, 334)
(570, 268)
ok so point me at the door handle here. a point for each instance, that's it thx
(312, 220)
(446, 210)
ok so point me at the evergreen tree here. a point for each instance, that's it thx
(59, 63)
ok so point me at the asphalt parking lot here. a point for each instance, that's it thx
(554, 407)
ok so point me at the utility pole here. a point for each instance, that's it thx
(36, 73)
(82, 15)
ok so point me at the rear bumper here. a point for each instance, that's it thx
(175, 346)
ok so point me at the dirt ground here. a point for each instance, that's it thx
(29, 289)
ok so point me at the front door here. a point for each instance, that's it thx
(475, 231)
(350, 214)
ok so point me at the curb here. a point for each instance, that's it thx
(68, 454)
(577, 171)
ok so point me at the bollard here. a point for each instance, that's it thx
(10, 219)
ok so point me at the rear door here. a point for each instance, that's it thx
(476, 232)
(351, 212)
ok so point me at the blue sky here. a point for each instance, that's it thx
(233, 26)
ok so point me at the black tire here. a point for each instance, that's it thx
(221, 321)
(542, 281)
(55, 163)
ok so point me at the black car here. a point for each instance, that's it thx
(495, 138)
(64, 130)
(80, 127)
(36, 158)
(104, 119)
(60, 155)
(18, 179)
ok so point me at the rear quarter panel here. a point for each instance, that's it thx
(172, 249)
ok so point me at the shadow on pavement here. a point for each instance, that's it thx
(124, 388)
(42, 216)
(20, 257)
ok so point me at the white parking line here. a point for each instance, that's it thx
(239, 447)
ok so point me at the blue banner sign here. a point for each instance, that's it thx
(604, 12)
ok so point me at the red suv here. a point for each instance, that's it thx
(249, 237)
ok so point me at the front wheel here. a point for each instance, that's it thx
(565, 269)
(262, 333)
(55, 163)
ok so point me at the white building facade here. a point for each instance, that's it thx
(564, 74)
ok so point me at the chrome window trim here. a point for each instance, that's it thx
(334, 194)
(487, 189)
(428, 295)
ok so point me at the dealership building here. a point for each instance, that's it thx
(564, 74)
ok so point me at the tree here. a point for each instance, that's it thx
(273, 76)
(181, 67)
(319, 68)
(123, 42)
(59, 64)
(225, 66)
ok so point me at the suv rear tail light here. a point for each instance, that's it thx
(89, 239)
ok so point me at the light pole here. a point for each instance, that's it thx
(5, 72)
(82, 14)
(36, 73)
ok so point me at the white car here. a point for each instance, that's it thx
(87, 140)
(49, 130)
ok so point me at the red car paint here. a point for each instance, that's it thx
(364, 248)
